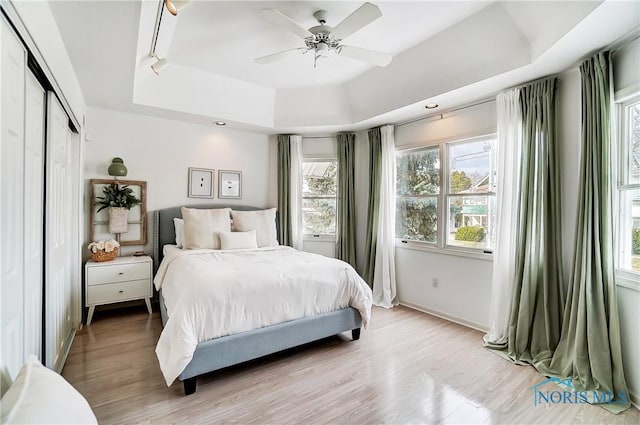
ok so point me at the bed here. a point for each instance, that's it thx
(235, 348)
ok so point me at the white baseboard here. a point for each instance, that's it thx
(446, 316)
(635, 400)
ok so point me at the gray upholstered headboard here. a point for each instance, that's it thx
(164, 231)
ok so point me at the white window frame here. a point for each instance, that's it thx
(323, 237)
(441, 246)
(623, 98)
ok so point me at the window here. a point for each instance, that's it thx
(417, 189)
(319, 188)
(462, 204)
(471, 194)
(629, 185)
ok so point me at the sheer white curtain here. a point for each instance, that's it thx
(296, 191)
(384, 280)
(504, 255)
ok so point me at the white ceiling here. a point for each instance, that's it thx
(448, 52)
(224, 38)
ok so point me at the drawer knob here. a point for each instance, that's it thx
(120, 291)
(121, 273)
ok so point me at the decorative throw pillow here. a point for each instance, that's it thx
(201, 227)
(41, 396)
(238, 240)
(263, 222)
(178, 223)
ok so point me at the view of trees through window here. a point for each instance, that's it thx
(319, 188)
(469, 197)
(417, 189)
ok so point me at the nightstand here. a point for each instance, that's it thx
(122, 279)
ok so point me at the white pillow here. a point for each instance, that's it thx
(41, 396)
(263, 222)
(178, 223)
(238, 240)
(201, 227)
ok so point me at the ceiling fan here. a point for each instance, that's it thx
(323, 39)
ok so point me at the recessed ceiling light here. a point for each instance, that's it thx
(431, 105)
(220, 123)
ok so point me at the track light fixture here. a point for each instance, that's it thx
(174, 6)
(160, 64)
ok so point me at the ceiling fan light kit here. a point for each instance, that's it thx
(323, 39)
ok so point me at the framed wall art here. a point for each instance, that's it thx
(200, 183)
(230, 184)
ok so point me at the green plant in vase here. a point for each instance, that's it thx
(119, 200)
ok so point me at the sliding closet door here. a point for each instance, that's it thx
(12, 68)
(33, 215)
(59, 246)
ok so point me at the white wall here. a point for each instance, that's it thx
(160, 151)
(463, 292)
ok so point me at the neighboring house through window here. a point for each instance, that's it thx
(457, 211)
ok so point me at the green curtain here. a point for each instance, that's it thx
(375, 167)
(538, 295)
(589, 350)
(346, 229)
(284, 190)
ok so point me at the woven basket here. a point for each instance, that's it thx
(101, 256)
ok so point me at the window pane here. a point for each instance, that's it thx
(319, 216)
(417, 218)
(633, 120)
(472, 167)
(418, 173)
(319, 179)
(630, 230)
(470, 223)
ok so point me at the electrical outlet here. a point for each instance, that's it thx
(435, 283)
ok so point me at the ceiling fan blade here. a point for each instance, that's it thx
(276, 56)
(366, 55)
(279, 18)
(360, 18)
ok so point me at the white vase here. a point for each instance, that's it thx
(118, 217)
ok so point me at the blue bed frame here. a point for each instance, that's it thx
(237, 348)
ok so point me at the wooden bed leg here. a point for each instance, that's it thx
(190, 385)
(355, 334)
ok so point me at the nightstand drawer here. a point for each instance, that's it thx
(112, 273)
(121, 291)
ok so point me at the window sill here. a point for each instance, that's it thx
(627, 279)
(319, 238)
(421, 246)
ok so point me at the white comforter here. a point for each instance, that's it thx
(209, 294)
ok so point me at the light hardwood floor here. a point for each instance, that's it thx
(408, 367)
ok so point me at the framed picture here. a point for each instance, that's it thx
(200, 183)
(230, 184)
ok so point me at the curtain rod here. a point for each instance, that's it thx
(448, 111)
(430, 117)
